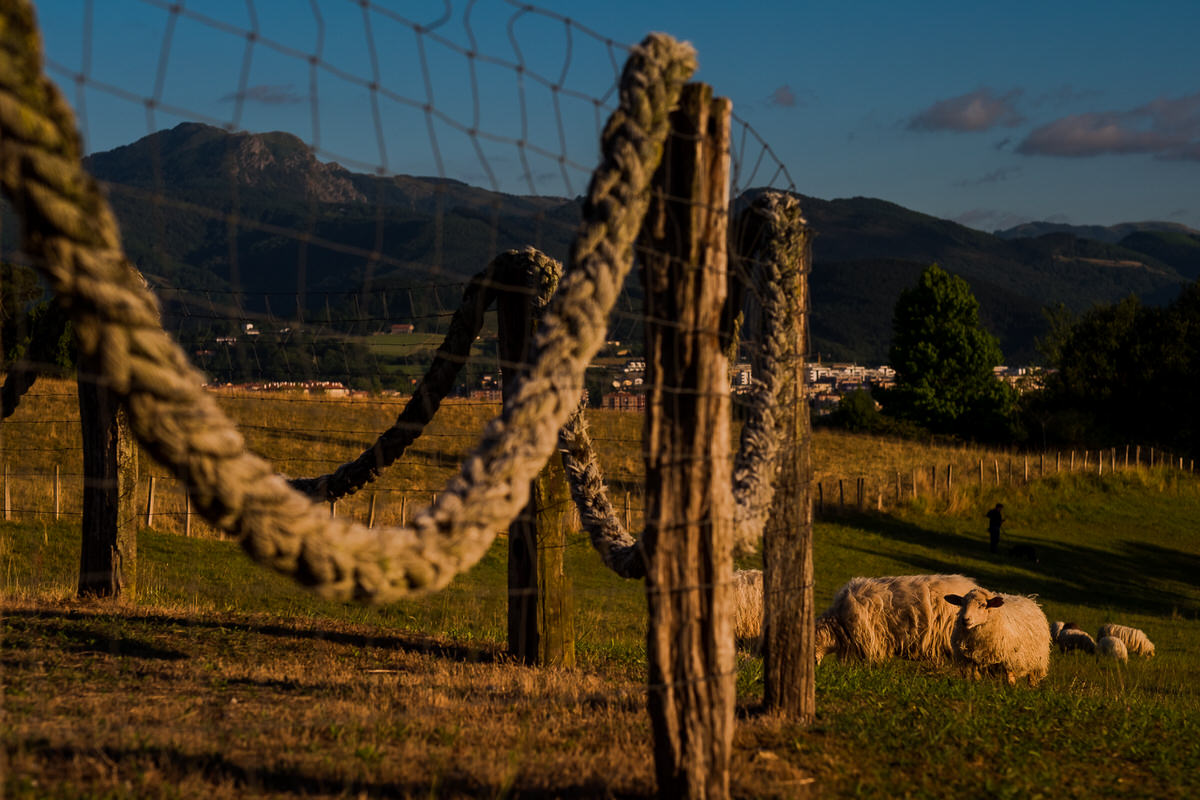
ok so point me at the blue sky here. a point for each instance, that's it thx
(986, 113)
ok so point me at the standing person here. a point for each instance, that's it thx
(995, 520)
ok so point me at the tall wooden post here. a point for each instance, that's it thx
(108, 556)
(789, 646)
(688, 535)
(520, 298)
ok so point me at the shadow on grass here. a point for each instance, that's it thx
(220, 770)
(93, 640)
(1132, 579)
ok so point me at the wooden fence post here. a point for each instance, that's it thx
(108, 551)
(688, 533)
(981, 473)
(841, 494)
(371, 511)
(519, 303)
(1026, 458)
(949, 479)
(57, 494)
(780, 241)
(7, 495)
(150, 501)
(187, 513)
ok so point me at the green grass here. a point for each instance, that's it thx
(1121, 548)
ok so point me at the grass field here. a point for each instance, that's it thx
(224, 680)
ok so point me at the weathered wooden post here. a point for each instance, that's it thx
(108, 555)
(526, 281)
(57, 495)
(149, 501)
(7, 495)
(688, 534)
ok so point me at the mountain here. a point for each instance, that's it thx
(1111, 234)
(255, 222)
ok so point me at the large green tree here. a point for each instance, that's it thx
(943, 360)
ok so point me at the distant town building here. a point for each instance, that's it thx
(402, 327)
(624, 401)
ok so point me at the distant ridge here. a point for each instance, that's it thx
(308, 229)
(1101, 233)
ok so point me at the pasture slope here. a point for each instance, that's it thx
(226, 681)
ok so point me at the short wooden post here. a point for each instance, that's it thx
(933, 482)
(1057, 461)
(914, 484)
(333, 508)
(820, 495)
(57, 494)
(371, 511)
(7, 496)
(150, 501)
(108, 552)
(899, 488)
(949, 479)
(187, 513)
(403, 509)
(688, 529)
(1099, 462)
(981, 473)
(518, 306)
(1026, 459)
(1126, 456)
(996, 467)
(860, 486)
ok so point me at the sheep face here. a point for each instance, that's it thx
(975, 607)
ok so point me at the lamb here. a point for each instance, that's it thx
(874, 619)
(1135, 640)
(1000, 633)
(1055, 629)
(1072, 637)
(1112, 647)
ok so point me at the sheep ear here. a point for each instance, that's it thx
(954, 599)
(995, 602)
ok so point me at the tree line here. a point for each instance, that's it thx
(1120, 372)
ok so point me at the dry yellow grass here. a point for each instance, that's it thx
(304, 435)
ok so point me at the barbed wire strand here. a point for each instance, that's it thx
(72, 235)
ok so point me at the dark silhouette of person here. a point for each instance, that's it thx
(995, 520)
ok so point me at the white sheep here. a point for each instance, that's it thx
(748, 608)
(1112, 647)
(1135, 641)
(903, 616)
(1000, 634)
(1072, 637)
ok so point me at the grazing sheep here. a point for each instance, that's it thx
(1000, 633)
(748, 608)
(1112, 647)
(1135, 640)
(1056, 628)
(874, 619)
(1072, 637)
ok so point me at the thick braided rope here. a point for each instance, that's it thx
(767, 256)
(18, 379)
(522, 270)
(72, 235)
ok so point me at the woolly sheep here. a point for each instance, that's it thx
(1072, 637)
(1135, 641)
(874, 619)
(1000, 633)
(1112, 647)
(748, 608)
(1055, 629)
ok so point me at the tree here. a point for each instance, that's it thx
(943, 360)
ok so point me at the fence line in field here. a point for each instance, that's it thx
(941, 481)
